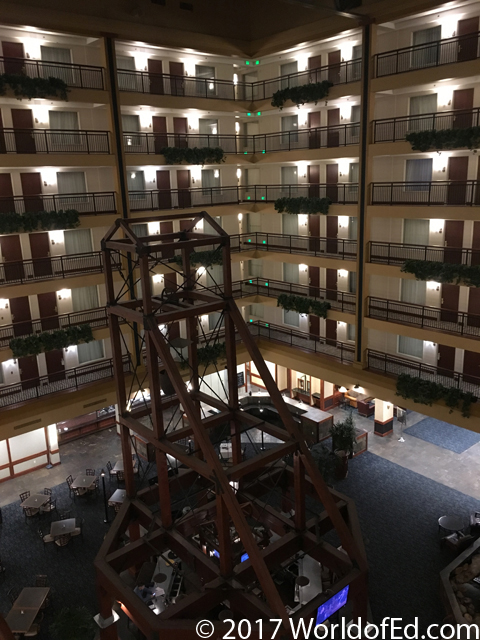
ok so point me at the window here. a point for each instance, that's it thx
(355, 131)
(292, 318)
(205, 88)
(59, 57)
(352, 228)
(290, 123)
(285, 70)
(214, 321)
(208, 130)
(418, 172)
(416, 231)
(256, 309)
(129, 125)
(78, 241)
(351, 332)
(289, 175)
(64, 121)
(353, 172)
(127, 78)
(413, 291)
(214, 275)
(255, 268)
(410, 346)
(90, 351)
(85, 298)
(356, 64)
(71, 182)
(136, 183)
(352, 282)
(418, 106)
(209, 180)
(2, 379)
(140, 230)
(252, 177)
(253, 222)
(290, 273)
(426, 55)
(290, 224)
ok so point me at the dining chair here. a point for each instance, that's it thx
(45, 537)
(47, 491)
(90, 472)
(78, 531)
(111, 471)
(49, 507)
(13, 594)
(24, 496)
(69, 482)
(62, 541)
(42, 581)
(120, 477)
(29, 513)
(64, 515)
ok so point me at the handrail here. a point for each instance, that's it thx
(393, 129)
(430, 54)
(311, 138)
(97, 202)
(342, 248)
(398, 252)
(191, 86)
(438, 192)
(449, 321)
(393, 365)
(341, 193)
(83, 76)
(54, 141)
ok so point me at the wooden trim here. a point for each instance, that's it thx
(383, 424)
(35, 455)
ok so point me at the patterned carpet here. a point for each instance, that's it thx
(445, 435)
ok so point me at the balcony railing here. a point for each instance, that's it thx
(430, 54)
(172, 85)
(51, 268)
(283, 243)
(96, 318)
(391, 365)
(397, 253)
(341, 193)
(427, 193)
(67, 380)
(393, 129)
(458, 322)
(315, 138)
(53, 141)
(103, 202)
(83, 76)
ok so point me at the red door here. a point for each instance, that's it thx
(463, 103)
(159, 128)
(332, 276)
(314, 325)
(3, 146)
(334, 60)
(55, 365)
(332, 182)
(32, 189)
(457, 176)
(180, 129)
(177, 73)
(471, 367)
(453, 241)
(22, 120)
(155, 76)
(167, 227)
(170, 282)
(331, 332)
(476, 243)
(314, 232)
(332, 234)
(14, 56)
(40, 247)
(183, 185)
(28, 368)
(450, 296)
(13, 270)
(313, 134)
(467, 31)
(21, 316)
(47, 305)
(314, 64)
(473, 319)
(314, 281)
(313, 177)
(7, 203)
(446, 360)
(165, 194)
(333, 136)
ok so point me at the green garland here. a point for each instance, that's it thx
(205, 258)
(427, 392)
(444, 139)
(25, 87)
(303, 205)
(34, 221)
(210, 354)
(311, 92)
(195, 155)
(60, 339)
(300, 304)
(443, 272)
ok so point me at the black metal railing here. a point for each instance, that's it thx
(397, 253)
(83, 76)
(50, 268)
(392, 365)
(430, 54)
(458, 322)
(341, 193)
(393, 129)
(188, 86)
(96, 318)
(54, 141)
(103, 202)
(426, 193)
(67, 380)
(284, 243)
(315, 138)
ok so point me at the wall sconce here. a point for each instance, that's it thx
(235, 78)
(303, 219)
(63, 294)
(302, 169)
(343, 389)
(433, 286)
(436, 226)
(239, 173)
(3, 303)
(201, 271)
(342, 222)
(157, 278)
(237, 127)
(341, 324)
(303, 267)
(36, 120)
(133, 175)
(342, 273)
(240, 217)
(193, 180)
(205, 318)
(388, 406)
(216, 173)
(56, 237)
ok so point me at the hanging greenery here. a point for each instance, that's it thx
(60, 339)
(205, 258)
(25, 87)
(194, 155)
(427, 392)
(303, 205)
(300, 304)
(311, 92)
(444, 139)
(444, 272)
(41, 220)
(209, 354)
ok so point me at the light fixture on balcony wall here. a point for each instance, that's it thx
(216, 173)
(3, 303)
(433, 286)
(157, 278)
(240, 217)
(342, 222)
(303, 268)
(237, 127)
(63, 294)
(201, 271)
(436, 225)
(342, 273)
(239, 174)
(133, 175)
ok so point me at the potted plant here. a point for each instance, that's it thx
(343, 443)
(326, 461)
(73, 623)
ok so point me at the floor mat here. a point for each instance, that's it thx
(445, 435)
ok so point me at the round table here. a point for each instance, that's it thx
(452, 523)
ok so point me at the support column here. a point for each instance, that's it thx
(105, 619)
(383, 418)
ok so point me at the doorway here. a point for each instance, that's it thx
(22, 120)
(462, 102)
(12, 258)
(40, 248)
(160, 138)
(333, 134)
(55, 365)
(155, 76)
(334, 66)
(183, 185)
(13, 57)
(446, 360)
(32, 190)
(331, 332)
(7, 202)
(164, 192)
(467, 31)
(314, 140)
(332, 282)
(28, 368)
(332, 182)
(21, 316)
(313, 177)
(332, 235)
(47, 306)
(449, 305)
(457, 177)
(176, 78)
(180, 128)
(453, 241)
